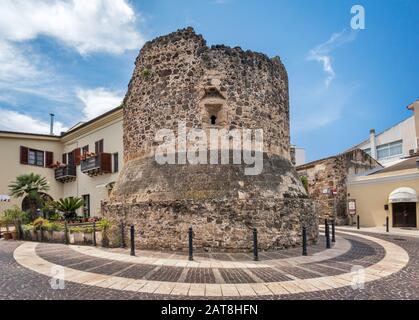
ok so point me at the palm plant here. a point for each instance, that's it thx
(30, 185)
(68, 206)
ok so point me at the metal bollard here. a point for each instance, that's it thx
(327, 237)
(255, 245)
(190, 234)
(122, 235)
(304, 241)
(325, 226)
(387, 225)
(132, 234)
(333, 231)
(66, 233)
(357, 222)
(94, 233)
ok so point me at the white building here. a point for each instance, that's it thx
(396, 143)
(298, 155)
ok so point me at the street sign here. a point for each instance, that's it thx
(352, 207)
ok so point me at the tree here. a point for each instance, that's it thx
(68, 206)
(17, 217)
(30, 185)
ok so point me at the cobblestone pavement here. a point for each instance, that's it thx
(18, 282)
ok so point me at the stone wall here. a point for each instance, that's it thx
(330, 175)
(178, 78)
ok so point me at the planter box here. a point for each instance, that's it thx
(47, 235)
(33, 235)
(7, 235)
(14, 235)
(78, 237)
(58, 236)
(88, 238)
(99, 238)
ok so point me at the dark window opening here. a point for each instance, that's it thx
(213, 120)
(99, 147)
(115, 162)
(85, 150)
(86, 206)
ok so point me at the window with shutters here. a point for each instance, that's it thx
(64, 158)
(86, 205)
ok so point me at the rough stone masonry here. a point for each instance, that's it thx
(178, 78)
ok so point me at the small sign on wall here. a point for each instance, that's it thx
(352, 207)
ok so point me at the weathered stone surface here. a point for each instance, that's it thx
(331, 174)
(178, 78)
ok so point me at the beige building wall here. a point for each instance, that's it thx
(95, 186)
(372, 192)
(10, 166)
(107, 127)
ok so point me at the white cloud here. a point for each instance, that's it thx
(98, 101)
(14, 121)
(88, 26)
(321, 53)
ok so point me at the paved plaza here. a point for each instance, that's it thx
(360, 265)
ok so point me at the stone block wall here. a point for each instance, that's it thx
(330, 175)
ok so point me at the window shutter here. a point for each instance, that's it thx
(64, 158)
(99, 147)
(24, 155)
(49, 158)
(77, 156)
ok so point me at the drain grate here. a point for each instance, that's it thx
(399, 239)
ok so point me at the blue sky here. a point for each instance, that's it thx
(75, 58)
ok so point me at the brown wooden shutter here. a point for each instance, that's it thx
(64, 158)
(77, 156)
(99, 147)
(24, 152)
(49, 158)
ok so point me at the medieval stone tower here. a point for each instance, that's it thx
(178, 78)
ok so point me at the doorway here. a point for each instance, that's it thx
(404, 214)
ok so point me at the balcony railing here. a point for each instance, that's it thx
(65, 174)
(96, 165)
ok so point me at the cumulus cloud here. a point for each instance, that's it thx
(88, 26)
(321, 53)
(14, 121)
(99, 100)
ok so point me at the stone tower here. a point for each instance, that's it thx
(178, 78)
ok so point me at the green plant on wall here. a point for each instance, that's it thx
(304, 181)
(146, 73)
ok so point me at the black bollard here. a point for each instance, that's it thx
(66, 233)
(357, 222)
(132, 234)
(190, 234)
(387, 224)
(333, 231)
(325, 226)
(255, 245)
(94, 233)
(122, 235)
(327, 237)
(304, 241)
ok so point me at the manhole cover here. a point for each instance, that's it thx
(399, 239)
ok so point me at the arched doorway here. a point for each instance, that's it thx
(27, 203)
(403, 202)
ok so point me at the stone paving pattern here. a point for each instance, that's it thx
(17, 282)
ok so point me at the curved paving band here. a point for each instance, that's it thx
(393, 259)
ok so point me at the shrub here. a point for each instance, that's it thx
(304, 181)
(40, 223)
(75, 229)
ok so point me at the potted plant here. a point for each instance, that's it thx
(69, 206)
(13, 216)
(104, 225)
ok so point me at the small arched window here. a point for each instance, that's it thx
(213, 119)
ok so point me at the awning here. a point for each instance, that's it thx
(4, 198)
(403, 195)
